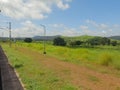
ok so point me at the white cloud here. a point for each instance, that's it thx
(92, 22)
(61, 29)
(57, 25)
(83, 27)
(29, 29)
(35, 9)
(99, 29)
(97, 25)
(62, 5)
(70, 32)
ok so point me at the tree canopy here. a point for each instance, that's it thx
(99, 41)
(28, 40)
(59, 41)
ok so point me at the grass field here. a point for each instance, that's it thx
(33, 74)
(36, 76)
(102, 55)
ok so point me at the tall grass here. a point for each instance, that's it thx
(105, 59)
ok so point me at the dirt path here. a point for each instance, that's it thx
(82, 77)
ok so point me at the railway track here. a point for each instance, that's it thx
(8, 77)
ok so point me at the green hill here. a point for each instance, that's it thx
(115, 37)
(82, 38)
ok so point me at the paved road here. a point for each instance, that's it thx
(8, 77)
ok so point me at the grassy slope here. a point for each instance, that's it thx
(33, 74)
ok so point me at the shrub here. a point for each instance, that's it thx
(105, 59)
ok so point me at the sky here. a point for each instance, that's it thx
(60, 17)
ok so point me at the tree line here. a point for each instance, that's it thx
(59, 41)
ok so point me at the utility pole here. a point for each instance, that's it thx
(44, 28)
(10, 34)
(10, 42)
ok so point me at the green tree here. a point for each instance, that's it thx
(72, 43)
(28, 40)
(75, 43)
(105, 41)
(94, 41)
(78, 42)
(99, 41)
(59, 41)
(114, 43)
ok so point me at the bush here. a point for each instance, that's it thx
(105, 59)
(28, 40)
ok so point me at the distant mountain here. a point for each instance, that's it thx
(4, 38)
(115, 37)
(46, 37)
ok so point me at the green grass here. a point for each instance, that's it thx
(102, 55)
(36, 77)
(105, 59)
(33, 74)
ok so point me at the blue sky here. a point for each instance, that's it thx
(61, 17)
